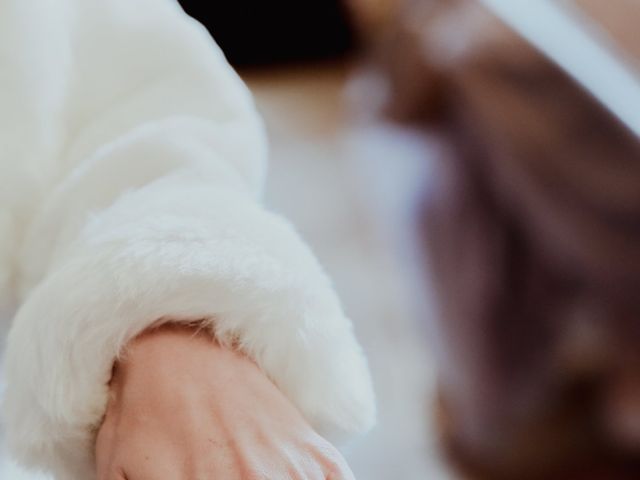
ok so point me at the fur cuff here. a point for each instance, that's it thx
(179, 254)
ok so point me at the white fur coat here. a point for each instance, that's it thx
(131, 162)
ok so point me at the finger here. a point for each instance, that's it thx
(334, 464)
(339, 472)
(307, 469)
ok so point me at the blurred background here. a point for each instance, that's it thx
(469, 174)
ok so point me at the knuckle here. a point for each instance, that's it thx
(336, 468)
(333, 471)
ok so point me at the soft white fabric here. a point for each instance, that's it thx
(10, 471)
(132, 161)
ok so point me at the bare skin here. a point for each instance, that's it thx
(185, 408)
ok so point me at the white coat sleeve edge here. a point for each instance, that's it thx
(207, 256)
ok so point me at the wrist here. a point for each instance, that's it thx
(175, 355)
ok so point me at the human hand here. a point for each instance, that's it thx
(183, 407)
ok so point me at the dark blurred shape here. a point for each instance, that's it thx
(533, 239)
(257, 33)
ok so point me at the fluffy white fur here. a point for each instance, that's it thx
(132, 163)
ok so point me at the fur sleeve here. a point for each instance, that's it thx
(153, 216)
